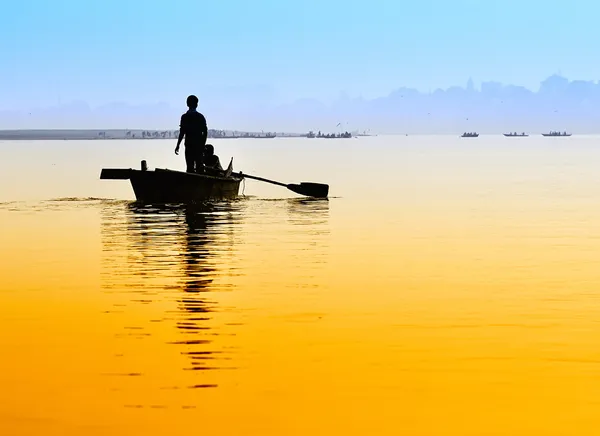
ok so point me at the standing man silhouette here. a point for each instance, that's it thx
(193, 128)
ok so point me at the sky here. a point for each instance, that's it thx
(273, 52)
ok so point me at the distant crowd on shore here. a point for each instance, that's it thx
(212, 133)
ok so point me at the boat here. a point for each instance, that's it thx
(556, 134)
(515, 134)
(171, 186)
(470, 135)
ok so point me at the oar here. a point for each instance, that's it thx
(309, 189)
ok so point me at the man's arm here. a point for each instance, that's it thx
(181, 135)
(204, 130)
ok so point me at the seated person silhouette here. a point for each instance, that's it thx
(211, 160)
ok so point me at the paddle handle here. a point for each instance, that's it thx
(262, 179)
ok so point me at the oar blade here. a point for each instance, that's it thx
(310, 189)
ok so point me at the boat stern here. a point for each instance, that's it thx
(116, 173)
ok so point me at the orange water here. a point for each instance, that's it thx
(448, 287)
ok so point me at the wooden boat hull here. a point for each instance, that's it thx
(168, 186)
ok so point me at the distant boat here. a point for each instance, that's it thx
(470, 135)
(557, 134)
(515, 134)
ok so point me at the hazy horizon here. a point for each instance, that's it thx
(492, 107)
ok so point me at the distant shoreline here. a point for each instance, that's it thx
(130, 134)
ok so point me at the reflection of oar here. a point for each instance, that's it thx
(309, 189)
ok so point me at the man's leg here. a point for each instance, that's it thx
(190, 159)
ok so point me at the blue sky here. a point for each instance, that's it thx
(147, 51)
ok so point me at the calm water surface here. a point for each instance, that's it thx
(448, 287)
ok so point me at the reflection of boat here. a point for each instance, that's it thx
(188, 246)
(470, 135)
(556, 134)
(169, 186)
(515, 134)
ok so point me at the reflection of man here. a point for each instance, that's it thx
(197, 270)
(193, 127)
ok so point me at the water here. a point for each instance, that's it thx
(448, 287)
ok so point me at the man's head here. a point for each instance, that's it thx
(192, 102)
(209, 150)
